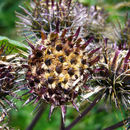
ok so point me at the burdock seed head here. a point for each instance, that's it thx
(57, 68)
(45, 16)
(59, 59)
(9, 71)
(113, 74)
(49, 15)
(92, 20)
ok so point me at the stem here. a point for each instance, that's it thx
(36, 118)
(84, 112)
(117, 125)
(62, 124)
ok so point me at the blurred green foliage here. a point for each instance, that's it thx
(99, 117)
(7, 17)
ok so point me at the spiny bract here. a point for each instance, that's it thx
(45, 16)
(49, 15)
(113, 74)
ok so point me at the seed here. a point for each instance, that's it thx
(59, 47)
(31, 83)
(71, 71)
(83, 61)
(39, 71)
(65, 81)
(48, 52)
(50, 91)
(37, 80)
(38, 54)
(61, 59)
(67, 52)
(65, 91)
(48, 62)
(50, 79)
(73, 61)
(59, 69)
(59, 84)
(76, 76)
(81, 70)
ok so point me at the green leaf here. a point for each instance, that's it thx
(12, 44)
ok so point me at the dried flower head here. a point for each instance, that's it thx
(57, 68)
(48, 15)
(8, 74)
(45, 16)
(113, 74)
(58, 62)
(92, 20)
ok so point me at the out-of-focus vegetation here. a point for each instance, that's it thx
(99, 117)
(7, 17)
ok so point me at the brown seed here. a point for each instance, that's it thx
(61, 59)
(48, 52)
(38, 54)
(81, 70)
(48, 62)
(50, 79)
(37, 80)
(59, 47)
(76, 76)
(59, 84)
(71, 71)
(83, 61)
(31, 83)
(73, 61)
(59, 69)
(67, 52)
(65, 81)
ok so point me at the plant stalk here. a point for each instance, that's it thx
(36, 118)
(96, 100)
(62, 127)
(117, 125)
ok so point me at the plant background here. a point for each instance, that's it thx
(100, 117)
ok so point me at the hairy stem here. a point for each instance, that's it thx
(84, 112)
(117, 125)
(36, 118)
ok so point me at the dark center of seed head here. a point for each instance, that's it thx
(71, 71)
(73, 61)
(83, 61)
(59, 69)
(48, 62)
(67, 52)
(38, 54)
(59, 47)
(31, 83)
(48, 52)
(61, 59)
(50, 79)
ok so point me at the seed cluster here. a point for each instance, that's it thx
(57, 68)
